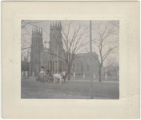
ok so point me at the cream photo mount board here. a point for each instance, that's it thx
(127, 106)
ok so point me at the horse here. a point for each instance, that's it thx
(59, 77)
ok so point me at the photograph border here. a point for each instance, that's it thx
(15, 107)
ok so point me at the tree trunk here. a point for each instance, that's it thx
(69, 70)
(100, 73)
(68, 73)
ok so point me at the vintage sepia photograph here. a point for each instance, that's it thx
(70, 59)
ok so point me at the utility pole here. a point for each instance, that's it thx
(91, 77)
(57, 60)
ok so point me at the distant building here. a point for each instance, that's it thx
(84, 64)
(52, 58)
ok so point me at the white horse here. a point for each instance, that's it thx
(57, 78)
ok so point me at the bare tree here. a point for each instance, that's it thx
(72, 37)
(72, 40)
(106, 41)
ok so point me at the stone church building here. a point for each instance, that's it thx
(51, 58)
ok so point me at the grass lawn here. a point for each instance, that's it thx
(69, 90)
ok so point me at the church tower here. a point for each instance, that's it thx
(55, 37)
(36, 48)
(56, 46)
